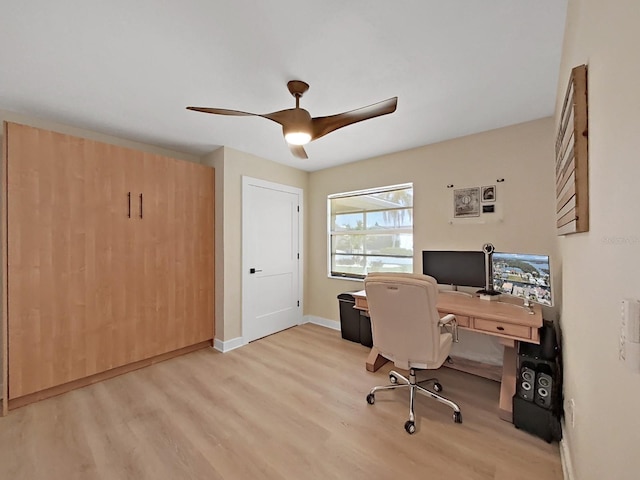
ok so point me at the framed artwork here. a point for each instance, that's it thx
(572, 169)
(489, 194)
(466, 202)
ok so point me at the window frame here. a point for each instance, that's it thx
(331, 234)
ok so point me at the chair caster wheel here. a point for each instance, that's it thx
(371, 399)
(437, 387)
(457, 417)
(393, 379)
(410, 427)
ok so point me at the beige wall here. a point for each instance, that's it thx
(216, 160)
(521, 154)
(601, 267)
(231, 165)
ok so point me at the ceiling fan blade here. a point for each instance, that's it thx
(279, 117)
(324, 125)
(298, 151)
(223, 111)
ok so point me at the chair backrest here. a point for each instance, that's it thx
(404, 318)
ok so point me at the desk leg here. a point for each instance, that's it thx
(508, 383)
(375, 360)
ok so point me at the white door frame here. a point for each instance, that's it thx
(246, 183)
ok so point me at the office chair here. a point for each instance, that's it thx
(408, 330)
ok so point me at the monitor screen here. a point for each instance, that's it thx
(458, 268)
(523, 275)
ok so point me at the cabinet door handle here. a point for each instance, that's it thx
(140, 205)
(129, 202)
(500, 328)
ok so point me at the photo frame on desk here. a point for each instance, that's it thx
(572, 167)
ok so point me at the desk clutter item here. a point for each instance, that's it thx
(537, 404)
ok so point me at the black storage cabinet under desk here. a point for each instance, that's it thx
(355, 325)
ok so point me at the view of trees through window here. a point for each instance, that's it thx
(371, 231)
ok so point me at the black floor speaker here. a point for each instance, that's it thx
(526, 381)
(544, 387)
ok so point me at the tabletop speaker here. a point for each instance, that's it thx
(543, 388)
(526, 382)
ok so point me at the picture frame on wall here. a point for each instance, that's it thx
(488, 194)
(466, 202)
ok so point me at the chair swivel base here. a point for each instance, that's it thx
(394, 377)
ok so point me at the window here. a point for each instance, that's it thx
(371, 231)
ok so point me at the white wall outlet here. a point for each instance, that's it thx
(629, 346)
(631, 319)
(571, 414)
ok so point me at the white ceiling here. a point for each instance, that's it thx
(130, 67)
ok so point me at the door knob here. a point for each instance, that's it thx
(253, 270)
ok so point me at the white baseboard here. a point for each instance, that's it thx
(227, 346)
(565, 456)
(323, 322)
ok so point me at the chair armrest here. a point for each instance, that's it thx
(450, 323)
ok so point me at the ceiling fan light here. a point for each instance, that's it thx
(297, 138)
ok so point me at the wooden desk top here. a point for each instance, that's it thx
(507, 309)
(505, 318)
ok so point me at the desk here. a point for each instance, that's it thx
(506, 319)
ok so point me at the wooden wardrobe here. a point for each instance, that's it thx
(109, 260)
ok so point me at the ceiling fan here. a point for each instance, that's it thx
(300, 128)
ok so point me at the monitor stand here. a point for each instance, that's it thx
(484, 291)
(488, 294)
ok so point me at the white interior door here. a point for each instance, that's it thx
(271, 240)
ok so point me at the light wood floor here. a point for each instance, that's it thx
(289, 406)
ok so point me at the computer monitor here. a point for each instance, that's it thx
(456, 268)
(523, 275)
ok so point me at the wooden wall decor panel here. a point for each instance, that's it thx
(572, 168)
(4, 355)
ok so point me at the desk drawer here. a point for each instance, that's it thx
(502, 328)
(461, 319)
